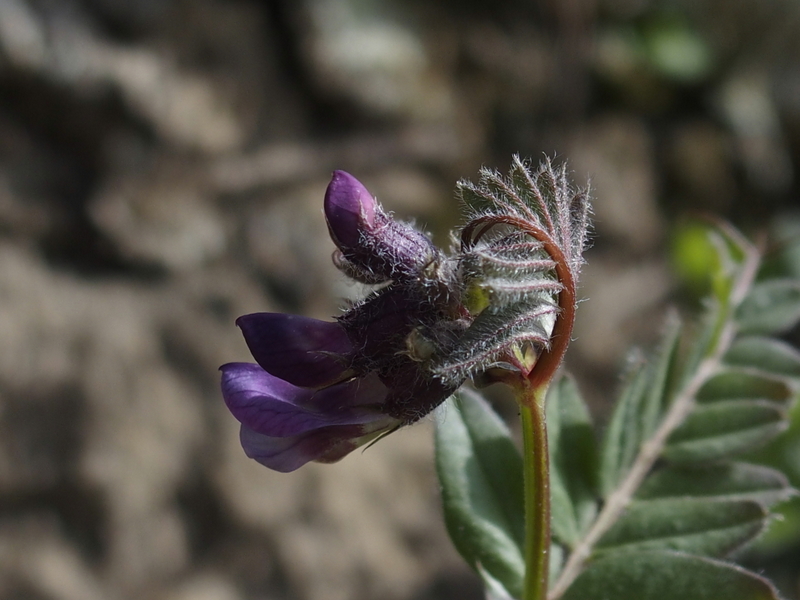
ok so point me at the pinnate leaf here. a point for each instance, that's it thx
(673, 499)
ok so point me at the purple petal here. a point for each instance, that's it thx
(303, 351)
(325, 445)
(349, 209)
(273, 407)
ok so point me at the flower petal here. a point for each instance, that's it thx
(349, 209)
(285, 454)
(273, 407)
(303, 351)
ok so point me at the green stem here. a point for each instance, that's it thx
(537, 492)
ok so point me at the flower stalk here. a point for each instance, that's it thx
(536, 470)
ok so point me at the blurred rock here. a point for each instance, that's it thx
(203, 587)
(409, 193)
(623, 302)
(360, 50)
(370, 527)
(35, 558)
(284, 163)
(128, 425)
(616, 153)
(700, 156)
(161, 216)
(746, 102)
(183, 107)
(22, 35)
(288, 236)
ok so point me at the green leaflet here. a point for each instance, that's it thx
(623, 435)
(744, 384)
(771, 307)
(725, 428)
(692, 525)
(480, 471)
(765, 354)
(666, 575)
(573, 460)
(642, 402)
(739, 408)
(731, 262)
(729, 480)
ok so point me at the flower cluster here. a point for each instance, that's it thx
(321, 389)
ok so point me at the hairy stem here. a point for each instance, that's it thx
(537, 492)
(650, 451)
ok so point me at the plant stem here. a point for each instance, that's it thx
(537, 492)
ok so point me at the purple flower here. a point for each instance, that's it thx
(493, 311)
(321, 389)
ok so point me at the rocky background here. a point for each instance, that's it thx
(162, 169)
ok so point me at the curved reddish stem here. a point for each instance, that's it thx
(550, 359)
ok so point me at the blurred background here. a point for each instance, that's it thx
(162, 169)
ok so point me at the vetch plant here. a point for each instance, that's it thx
(655, 510)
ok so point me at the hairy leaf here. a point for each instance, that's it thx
(766, 354)
(672, 498)
(725, 428)
(665, 575)
(642, 402)
(730, 480)
(622, 438)
(480, 470)
(736, 384)
(573, 459)
(771, 307)
(697, 526)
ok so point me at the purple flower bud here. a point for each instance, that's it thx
(349, 210)
(374, 247)
(305, 352)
